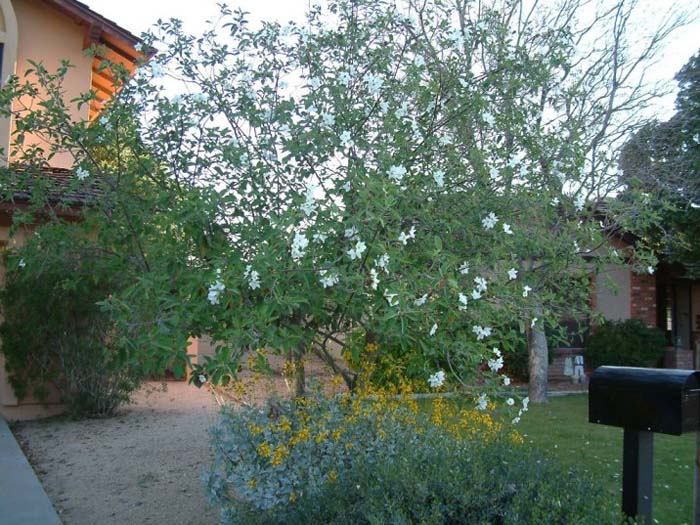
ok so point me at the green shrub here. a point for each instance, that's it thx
(625, 343)
(386, 470)
(54, 332)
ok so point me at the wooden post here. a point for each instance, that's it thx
(637, 474)
(696, 480)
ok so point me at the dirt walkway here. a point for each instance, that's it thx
(141, 467)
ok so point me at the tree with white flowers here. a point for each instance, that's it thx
(381, 172)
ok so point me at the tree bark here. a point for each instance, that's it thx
(299, 376)
(538, 362)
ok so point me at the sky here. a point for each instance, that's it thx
(138, 15)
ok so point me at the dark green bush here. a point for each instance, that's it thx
(54, 332)
(625, 343)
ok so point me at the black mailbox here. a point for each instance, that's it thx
(645, 399)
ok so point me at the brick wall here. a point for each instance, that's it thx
(643, 298)
(677, 358)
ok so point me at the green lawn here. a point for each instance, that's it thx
(561, 429)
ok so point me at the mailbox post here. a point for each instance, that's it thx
(643, 401)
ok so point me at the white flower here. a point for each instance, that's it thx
(328, 279)
(157, 70)
(580, 202)
(437, 379)
(309, 205)
(694, 206)
(650, 270)
(402, 111)
(554, 201)
(476, 294)
(419, 61)
(299, 245)
(526, 402)
(81, 173)
(421, 300)
(464, 269)
(346, 139)
(481, 332)
(444, 140)
(21, 263)
(506, 380)
(383, 262)
(344, 78)
(493, 173)
(439, 178)
(480, 284)
(496, 352)
(106, 123)
(495, 364)
(347, 186)
(405, 237)
(357, 251)
(516, 420)
(510, 401)
(488, 118)
(215, 291)
(351, 232)
(526, 290)
(375, 278)
(513, 162)
(202, 378)
(253, 277)
(512, 274)
(373, 83)
(396, 173)
(433, 329)
(243, 159)
(506, 229)
(533, 322)
(328, 119)
(463, 302)
(320, 237)
(482, 402)
(391, 298)
(315, 82)
(384, 107)
(489, 221)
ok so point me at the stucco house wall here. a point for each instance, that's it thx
(49, 36)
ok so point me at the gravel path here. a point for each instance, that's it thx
(143, 466)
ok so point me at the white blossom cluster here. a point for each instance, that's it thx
(481, 332)
(437, 379)
(495, 363)
(405, 237)
(216, 289)
(526, 402)
(252, 276)
(489, 221)
(328, 279)
(397, 173)
(299, 245)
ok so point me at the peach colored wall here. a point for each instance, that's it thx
(8, 37)
(48, 36)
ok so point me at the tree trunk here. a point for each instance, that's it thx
(299, 376)
(538, 362)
